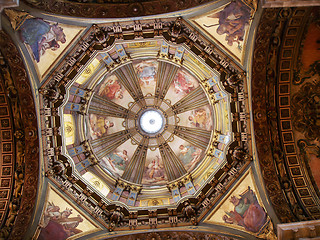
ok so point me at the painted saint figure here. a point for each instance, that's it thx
(99, 126)
(189, 156)
(183, 83)
(111, 89)
(247, 212)
(146, 71)
(57, 225)
(155, 170)
(40, 35)
(233, 20)
(116, 162)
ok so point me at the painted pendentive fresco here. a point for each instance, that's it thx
(46, 37)
(247, 212)
(45, 40)
(242, 208)
(60, 220)
(229, 25)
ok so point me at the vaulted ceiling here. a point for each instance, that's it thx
(116, 121)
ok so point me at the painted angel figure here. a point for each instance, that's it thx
(247, 212)
(146, 72)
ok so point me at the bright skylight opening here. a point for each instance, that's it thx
(151, 121)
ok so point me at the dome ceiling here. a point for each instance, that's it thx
(145, 123)
(149, 121)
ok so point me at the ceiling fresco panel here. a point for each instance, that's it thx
(242, 208)
(132, 161)
(44, 40)
(229, 26)
(61, 220)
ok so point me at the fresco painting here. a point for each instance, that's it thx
(60, 220)
(188, 154)
(116, 161)
(305, 103)
(313, 155)
(147, 74)
(41, 36)
(111, 89)
(198, 118)
(229, 25)
(44, 39)
(241, 208)
(154, 172)
(182, 84)
(311, 50)
(309, 61)
(99, 126)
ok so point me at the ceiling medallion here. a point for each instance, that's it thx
(152, 126)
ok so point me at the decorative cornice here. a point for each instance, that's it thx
(109, 9)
